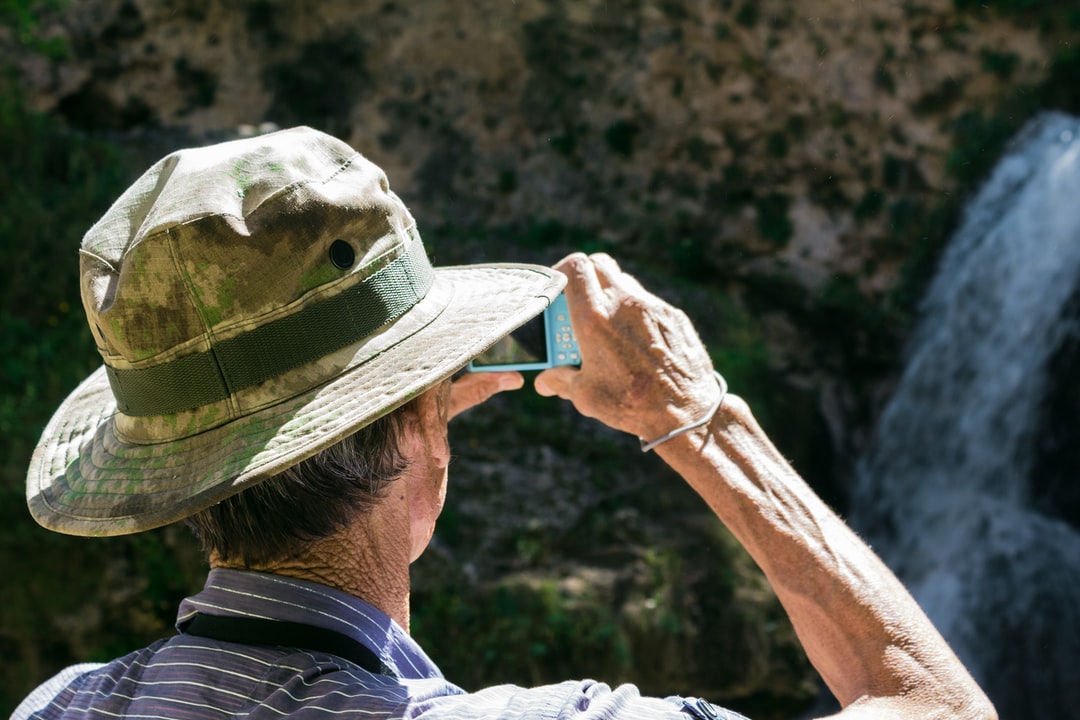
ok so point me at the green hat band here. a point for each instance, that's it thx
(276, 347)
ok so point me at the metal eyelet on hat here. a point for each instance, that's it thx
(342, 254)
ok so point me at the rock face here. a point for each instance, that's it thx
(786, 172)
(797, 157)
(755, 129)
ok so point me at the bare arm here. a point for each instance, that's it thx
(645, 371)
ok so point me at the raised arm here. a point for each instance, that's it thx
(645, 371)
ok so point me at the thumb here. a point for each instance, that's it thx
(556, 381)
(472, 389)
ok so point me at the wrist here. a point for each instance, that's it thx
(690, 427)
(732, 435)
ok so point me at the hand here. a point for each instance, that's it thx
(643, 368)
(471, 389)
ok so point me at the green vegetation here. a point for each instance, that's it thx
(883, 78)
(318, 87)
(517, 630)
(773, 221)
(613, 596)
(1022, 8)
(52, 186)
(620, 137)
(674, 10)
(20, 18)
(871, 204)
(748, 14)
(54, 183)
(1001, 64)
(776, 145)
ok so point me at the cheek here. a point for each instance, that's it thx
(444, 481)
(426, 511)
(439, 482)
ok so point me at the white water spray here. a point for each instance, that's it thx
(943, 493)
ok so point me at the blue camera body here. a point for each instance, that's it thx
(545, 341)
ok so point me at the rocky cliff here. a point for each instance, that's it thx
(802, 159)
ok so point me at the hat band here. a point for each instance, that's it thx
(272, 349)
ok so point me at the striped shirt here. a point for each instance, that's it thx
(196, 678)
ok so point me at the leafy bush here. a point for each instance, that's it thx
(54, 184)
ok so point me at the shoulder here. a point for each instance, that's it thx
(48, 691)
(563, 701)
(76, 686)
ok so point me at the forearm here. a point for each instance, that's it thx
(864, 633)
(645, 371)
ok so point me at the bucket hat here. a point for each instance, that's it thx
(254, 302)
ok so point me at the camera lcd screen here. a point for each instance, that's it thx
(527, 344)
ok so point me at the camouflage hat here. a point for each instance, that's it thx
(254, 302)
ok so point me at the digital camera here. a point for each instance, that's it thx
(545, 341)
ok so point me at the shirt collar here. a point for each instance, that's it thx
(277, 597)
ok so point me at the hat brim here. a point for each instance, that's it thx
(85, 480)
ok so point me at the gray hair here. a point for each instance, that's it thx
(275, 519)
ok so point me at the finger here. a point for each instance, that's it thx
(581, 281)
(572, 257)
(472, 389)
(606, 268)
(611, 274)
(556, 381)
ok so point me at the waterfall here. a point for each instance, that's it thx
(948, 491)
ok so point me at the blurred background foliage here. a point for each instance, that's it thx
(54, 183)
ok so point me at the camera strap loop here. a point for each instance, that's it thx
(647, 446)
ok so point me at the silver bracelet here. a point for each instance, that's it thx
(647, 446)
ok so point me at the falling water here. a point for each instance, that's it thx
(947, 493)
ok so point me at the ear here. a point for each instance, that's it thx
(429, 451)
(427, 421)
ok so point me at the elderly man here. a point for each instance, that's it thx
(278, 356)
